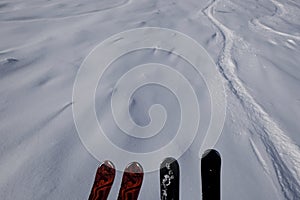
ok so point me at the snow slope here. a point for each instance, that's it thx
(255, 45)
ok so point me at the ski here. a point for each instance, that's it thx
(131, 182)
(104, 179)
(169, 179)
(210, 173)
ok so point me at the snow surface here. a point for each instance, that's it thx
(255, 45)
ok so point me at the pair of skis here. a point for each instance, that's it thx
(130, 186)
(210, 176)
(169, 179)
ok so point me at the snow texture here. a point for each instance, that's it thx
(255, 45)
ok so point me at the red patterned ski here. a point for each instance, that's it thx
(131, 182)
(104, 179)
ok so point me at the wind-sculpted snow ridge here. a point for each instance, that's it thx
(283, 152)
(19, 11)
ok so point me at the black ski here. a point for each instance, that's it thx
(169, 179)
(211, 175)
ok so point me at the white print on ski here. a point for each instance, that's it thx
(166, 182)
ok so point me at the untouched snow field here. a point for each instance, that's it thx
(254, 43)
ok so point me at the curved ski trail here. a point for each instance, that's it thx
(284, 154)
(280, 11)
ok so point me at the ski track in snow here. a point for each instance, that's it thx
(284, 154)
(280, 10)
(257, 23)
(259, 157)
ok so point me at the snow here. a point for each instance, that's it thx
(255, 45)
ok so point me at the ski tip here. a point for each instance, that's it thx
(106, 166)
(107, 163)
(134, 167)
(211, 153)
(169, 160)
